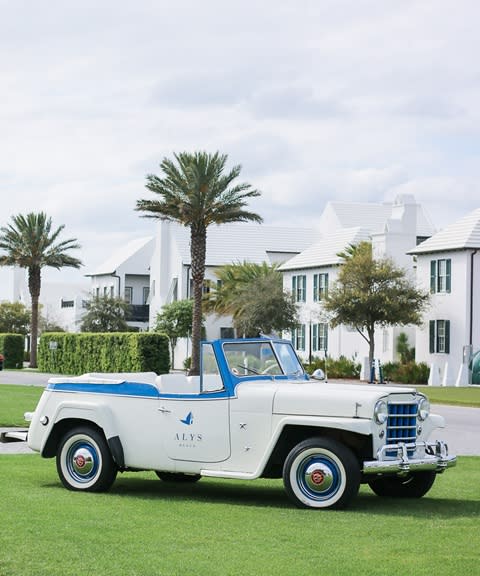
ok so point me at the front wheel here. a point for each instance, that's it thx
(409, 486)
(84, 461)
(321, 473)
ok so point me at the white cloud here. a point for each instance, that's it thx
(318, 101)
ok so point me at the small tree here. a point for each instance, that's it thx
(253, 295)
(175, 320)
(406, 353)
(14, 318)
(370, 293)
(105, 314)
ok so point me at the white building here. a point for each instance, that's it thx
(126, 275)
(448, 265)
(170, 277)
(393, 229)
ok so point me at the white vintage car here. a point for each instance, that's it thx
(253, 412)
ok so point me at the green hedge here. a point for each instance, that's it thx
(341, 367)
(12, 346)
(62, 353)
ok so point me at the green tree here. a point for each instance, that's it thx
(105, 314)
(14, 318)
(371, 293)
(30, 242)
(253, 295)
(406, 353)
(195, 191)
(175, 320)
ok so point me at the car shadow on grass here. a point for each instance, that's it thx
(270, 493)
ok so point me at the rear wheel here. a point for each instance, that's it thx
(178, 477)
(321, 473)
(410, 486)
(84, 461)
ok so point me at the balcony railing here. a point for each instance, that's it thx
(137, 313)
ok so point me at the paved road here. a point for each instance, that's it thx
(462, 431)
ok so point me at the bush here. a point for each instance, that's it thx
(341, 367)
(12, 346)
(62, 353)
(408, 373)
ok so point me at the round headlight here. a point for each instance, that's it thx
(423, 408)
(380, 412)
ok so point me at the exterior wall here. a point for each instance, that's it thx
(453, 306)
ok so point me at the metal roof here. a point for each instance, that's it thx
(119, 257)
(325, 252)
(462, 234)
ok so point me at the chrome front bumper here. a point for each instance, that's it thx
(435, 458)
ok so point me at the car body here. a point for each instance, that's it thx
(253, 412)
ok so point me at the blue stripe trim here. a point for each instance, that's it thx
(123, 389)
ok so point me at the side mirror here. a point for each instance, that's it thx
(318, 374)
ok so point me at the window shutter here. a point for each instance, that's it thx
(315, 337)
(315, 288)
(433, 276)
(447, 336)
(304, 283)
(326, 286)
(449, 274)
(294, 287)
(432, 336)
(326, 335)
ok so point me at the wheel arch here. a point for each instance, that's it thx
(293, 434)
(61, 427)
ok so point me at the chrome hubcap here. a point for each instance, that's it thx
(318, 477)
(83, 461)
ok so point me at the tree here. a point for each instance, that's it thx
(195, 191)
(105, 314)
(31, 243)
(253, 295)
(14, 318)
(373, 293)
(175, 320)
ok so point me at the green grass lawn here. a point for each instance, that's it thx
(454, 396)
(216, 527)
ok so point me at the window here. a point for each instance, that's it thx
(104, 291)
(439, 336)
(111, 291)
(67, 303)
(299, 288)
(320, 287)
(440, 275)
(319, 337)
(146, 294)
(298, 337)
(227, 332)
(128, 294)
(97, 292)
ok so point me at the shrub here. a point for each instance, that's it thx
(341, 367)
(408, 373)
(12, 346)
(62, 353)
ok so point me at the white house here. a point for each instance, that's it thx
(126, 274)
(393, 229)
(448, 265)
(170, 277)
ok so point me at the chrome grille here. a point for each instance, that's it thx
(401, 424)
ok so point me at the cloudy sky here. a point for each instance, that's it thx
(319, 100)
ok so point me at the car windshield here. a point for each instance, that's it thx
(262, 357)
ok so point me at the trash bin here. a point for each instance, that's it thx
(2, 358)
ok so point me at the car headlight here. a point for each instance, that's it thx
(380, 412)
(423, 408)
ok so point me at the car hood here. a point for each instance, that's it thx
(339, 400)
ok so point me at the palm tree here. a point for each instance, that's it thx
(30, 242)
(195, 192)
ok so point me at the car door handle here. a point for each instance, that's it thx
(164, 410)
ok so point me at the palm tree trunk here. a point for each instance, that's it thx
(34, 289)
(198, 244)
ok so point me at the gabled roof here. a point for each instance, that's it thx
(325, 252)
(368, 215)
(121, 256)
(461, 235)
(229, 243)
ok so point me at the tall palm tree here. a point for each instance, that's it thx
(30, 242)
(195, 192)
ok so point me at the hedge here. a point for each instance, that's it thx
(63, 353)
(12, 346)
